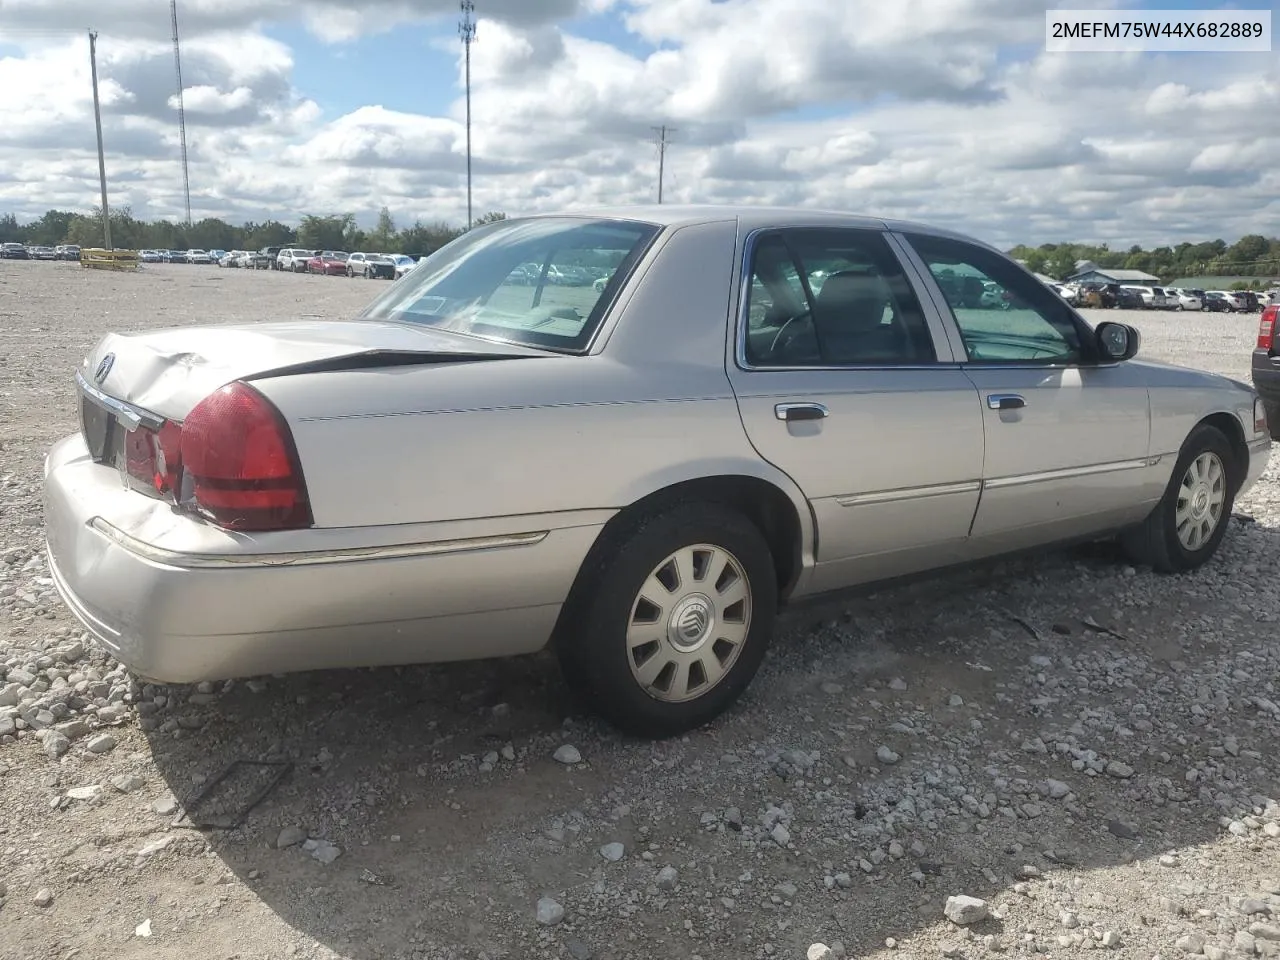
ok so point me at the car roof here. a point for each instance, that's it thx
(754, 217)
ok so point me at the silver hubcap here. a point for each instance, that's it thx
(1200, 499)
(689, 623)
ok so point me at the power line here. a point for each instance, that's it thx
(182, 118)
(467, 31)
(660, 139)
(97, 120)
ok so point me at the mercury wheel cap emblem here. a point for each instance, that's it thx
(691, 621)
(1201, 498)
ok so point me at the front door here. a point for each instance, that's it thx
(1067, 436)
(845, 384)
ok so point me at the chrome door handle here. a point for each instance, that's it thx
(1005, 401)
(799, 411)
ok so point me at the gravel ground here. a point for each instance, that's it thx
(1085, 748)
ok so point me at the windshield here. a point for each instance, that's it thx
(522, 281)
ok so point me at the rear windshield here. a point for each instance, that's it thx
(523, 281)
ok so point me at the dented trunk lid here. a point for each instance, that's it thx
(167, 372)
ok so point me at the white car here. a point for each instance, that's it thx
(1186, 301)
(295, 259)
(231, 259)
(199, 256)
(403, 262)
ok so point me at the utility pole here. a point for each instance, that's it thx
(182, 114)
(661, 140)
(97, 120)
(467, 31)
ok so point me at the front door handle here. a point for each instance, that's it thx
(799, 411)
(1005, 401)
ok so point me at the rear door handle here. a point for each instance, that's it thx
(1005, 401)
(799, 411)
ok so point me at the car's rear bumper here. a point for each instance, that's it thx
(177, 600)
(1266, 376)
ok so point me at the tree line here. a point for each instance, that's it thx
(1250, 256)
(313, 232)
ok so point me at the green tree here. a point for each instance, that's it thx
(326, 233)
(1248, 249)
(384, 237)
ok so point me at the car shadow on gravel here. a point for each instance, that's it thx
(996, 733)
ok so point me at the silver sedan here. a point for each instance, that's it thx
(756, 406)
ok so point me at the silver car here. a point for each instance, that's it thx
(757, 406)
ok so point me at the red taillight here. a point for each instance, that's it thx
(239, 465)
(1267, 327)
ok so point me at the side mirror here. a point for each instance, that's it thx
(1117, 341)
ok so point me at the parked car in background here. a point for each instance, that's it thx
(256, 260)
(1186, 300)
(14, 251)
(1251, 302)
(230, 259)
(1235, 302)
(295, 259)
(1215, 302)
(271, 253)
(1127, 298)
(371, 266)
(1266, 366)
(404, 263)
(42, 252)
(199, 257)
(331, 263)
(1095, 294)
(302, 495)
(150, 256)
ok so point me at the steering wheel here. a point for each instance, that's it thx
(773, 347)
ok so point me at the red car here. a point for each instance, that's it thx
(330, 262)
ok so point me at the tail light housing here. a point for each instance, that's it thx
(239, 465)
(1267, 327)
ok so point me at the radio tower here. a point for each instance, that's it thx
(467, 31)
(182, 115)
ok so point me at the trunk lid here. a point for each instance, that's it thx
(167, 372)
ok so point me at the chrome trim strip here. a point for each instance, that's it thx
(132, 417)
(909, 493)
(176, 558)
(1002, 483)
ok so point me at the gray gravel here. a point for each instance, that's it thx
(1085, 749)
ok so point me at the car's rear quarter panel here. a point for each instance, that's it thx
(546, 435)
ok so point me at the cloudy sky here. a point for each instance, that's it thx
(947, 111)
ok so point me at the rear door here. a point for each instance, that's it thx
(847, 383)
(1067, 436)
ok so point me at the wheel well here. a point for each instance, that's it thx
(761, 502)
(1234, 433)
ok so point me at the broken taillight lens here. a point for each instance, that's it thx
(152, 457)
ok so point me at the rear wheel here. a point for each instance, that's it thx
(670, 619)
(1189, 522)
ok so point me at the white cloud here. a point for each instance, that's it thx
(907, 109)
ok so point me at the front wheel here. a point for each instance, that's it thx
(670, 619)
(1188, 524)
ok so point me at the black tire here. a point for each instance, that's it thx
(1272, 408)
(1155, 542)
(591, 637)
